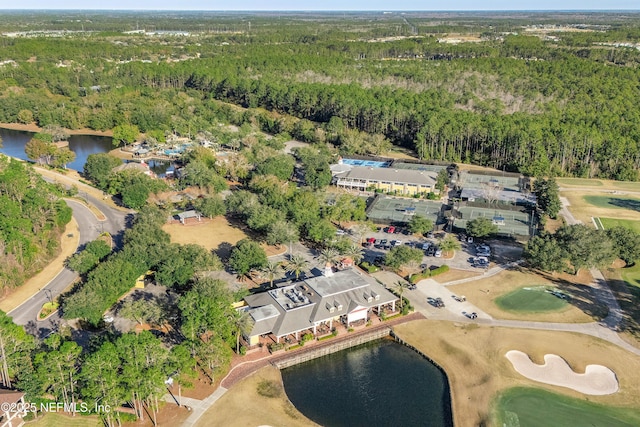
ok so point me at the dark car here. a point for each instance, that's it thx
(431, 251)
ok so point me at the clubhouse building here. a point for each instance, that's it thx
(314, 305)
(389, 180)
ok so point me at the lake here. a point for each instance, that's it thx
(13, 142)
(379, 383)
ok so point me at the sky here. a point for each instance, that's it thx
(382, 5)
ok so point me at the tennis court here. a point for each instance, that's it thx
(366, 163)
(508, 222)
(396, 209)
(476, 181)
(418, 166)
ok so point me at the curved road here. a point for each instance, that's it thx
(90, 228)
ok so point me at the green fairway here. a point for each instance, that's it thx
(626, 223)
(579, 182)
(531, 407)
(630, 203)
(631, 275)
(58, 420)
(530, 299)
(627, 185)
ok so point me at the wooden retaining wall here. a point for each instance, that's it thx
(332, 348)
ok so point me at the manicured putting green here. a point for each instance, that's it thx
(608, 223)
(532, 407)
(614, 202)
(530, 299)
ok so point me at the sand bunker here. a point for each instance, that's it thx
(596, 380)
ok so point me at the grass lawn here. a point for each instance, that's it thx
(521, 407)
(614, 222)
(59, 420)
(627, 185)
(613, 202)
(530, 299)
(245, 405)
(216, 234)
(579, 182)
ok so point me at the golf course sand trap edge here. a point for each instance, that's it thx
(597, 379)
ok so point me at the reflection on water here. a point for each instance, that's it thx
(13, 142)
(380, 383)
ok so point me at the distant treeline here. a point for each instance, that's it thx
(562, 106)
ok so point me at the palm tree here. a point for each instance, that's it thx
(449, 244)
(296, 265)
(400, 287)
(242, 325)
(329, 256)
(271, 270)
(354, 252)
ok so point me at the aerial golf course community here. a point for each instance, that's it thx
(317, 218)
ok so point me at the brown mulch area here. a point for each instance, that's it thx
(243, 366)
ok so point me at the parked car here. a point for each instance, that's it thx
(430, 235)
(425, 246)
(460, 298)
(391, 229)
(436, 302)
(431, 251)
(471, 315)
(437, 253)
(395, 243)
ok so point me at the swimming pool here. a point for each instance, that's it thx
(368, 163)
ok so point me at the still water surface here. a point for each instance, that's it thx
(13, 142)
(381, 383)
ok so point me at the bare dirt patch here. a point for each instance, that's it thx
(484, 292)
(473, 358)
(244, 405)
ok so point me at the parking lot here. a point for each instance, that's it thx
(498, 251)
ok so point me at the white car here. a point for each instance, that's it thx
(438, 253)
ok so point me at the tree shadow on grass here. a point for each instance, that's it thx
(629, 299)
(583, 297)
(223, 250)
(631, 204)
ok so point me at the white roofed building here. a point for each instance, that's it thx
(345, 296)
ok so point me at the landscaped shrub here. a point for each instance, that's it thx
(276, 346)
(307, 337)
(369, 268)
(415, 278)
(442, 269)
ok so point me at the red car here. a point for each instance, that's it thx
(391, 229)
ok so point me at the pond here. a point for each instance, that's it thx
(379, 383)
(13, 142)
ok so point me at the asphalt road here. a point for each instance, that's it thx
(90, 228)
